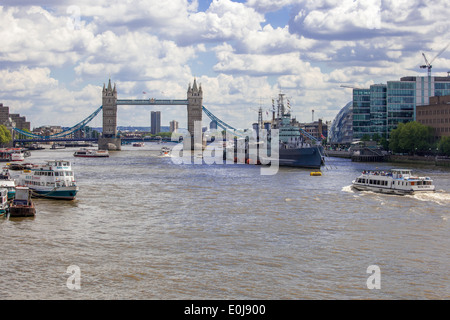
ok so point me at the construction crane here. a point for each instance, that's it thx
(427, 64)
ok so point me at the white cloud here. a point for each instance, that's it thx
(25, 82)
(35, 37)
(232, 47)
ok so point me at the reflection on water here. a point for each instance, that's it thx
(143, 227)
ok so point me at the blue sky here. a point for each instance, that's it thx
(54, 58)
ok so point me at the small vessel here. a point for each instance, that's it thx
(22, 206)
(395, 181)
(54, 180)
(91, 153)
(4, 204)
(165, 152)
(19, 166)
(315, 173)
(138, 144)
(35, 146)
(12, 154)
(6, 182)
(58, 146)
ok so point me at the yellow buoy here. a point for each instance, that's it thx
(317, 173)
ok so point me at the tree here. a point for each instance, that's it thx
(444, 145)
(411, 137)
(376, 137)
(5, 135)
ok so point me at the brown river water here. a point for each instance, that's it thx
(143, 227)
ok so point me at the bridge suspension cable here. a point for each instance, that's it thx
(64, 133)
(223, 124)
(220, 123)
(302, 131)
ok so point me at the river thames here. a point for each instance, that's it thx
(143, 227)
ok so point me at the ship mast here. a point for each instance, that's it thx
(280, 105)
(260, 119)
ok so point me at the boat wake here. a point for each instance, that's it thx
(348, 189)
(440, 197)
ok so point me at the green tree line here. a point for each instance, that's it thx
(416, 138)
(5, 135)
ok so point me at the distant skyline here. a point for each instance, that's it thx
(56, 57)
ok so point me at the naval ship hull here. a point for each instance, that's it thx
(302, 157)
(310, 157)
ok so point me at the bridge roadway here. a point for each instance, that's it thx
(87, 140)
(156, 102)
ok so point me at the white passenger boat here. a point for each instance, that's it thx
(4, 203)
(12, 154)
(395, 181)
(91, 153)
(55, 180)
(8, 183)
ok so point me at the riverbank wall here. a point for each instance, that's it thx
(426, 160)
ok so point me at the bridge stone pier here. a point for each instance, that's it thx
(109, 139)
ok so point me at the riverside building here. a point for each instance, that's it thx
(155, 122)
(380, 108)
(436, 115)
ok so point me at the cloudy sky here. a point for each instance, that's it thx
(56, 55)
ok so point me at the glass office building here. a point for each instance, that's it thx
(361, 113)
(380, 108)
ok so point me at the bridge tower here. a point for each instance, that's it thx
(109, 139)
(194, 107)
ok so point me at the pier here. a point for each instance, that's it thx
(368, 155)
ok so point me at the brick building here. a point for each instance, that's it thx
(436, 115)
(12, 119)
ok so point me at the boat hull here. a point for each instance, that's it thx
(62, 193)
(88, 156)
(389, 190)
(309, 157)
(22, 211)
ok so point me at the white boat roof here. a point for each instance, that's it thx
(7, 183)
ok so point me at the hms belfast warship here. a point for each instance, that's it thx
(294, 149)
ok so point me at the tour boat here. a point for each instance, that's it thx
(138, 144)
(58, 146)
(12, 154)
(55, 180)
(22, 205)
(8, 183)
(91, 153)
(4, 204)
(395, 181)
(165, 152)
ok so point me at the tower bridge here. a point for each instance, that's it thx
(109, 139)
